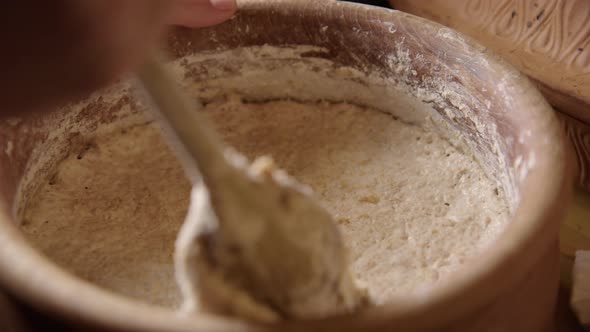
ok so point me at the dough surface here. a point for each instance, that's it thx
(412, 207)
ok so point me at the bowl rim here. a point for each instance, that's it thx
(24, 272)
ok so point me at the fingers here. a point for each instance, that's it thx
(201, 13)
(59, 50)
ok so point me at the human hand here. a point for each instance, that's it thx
(57, 50)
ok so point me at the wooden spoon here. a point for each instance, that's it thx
(254, 243)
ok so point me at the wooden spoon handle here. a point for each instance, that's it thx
(200, 146)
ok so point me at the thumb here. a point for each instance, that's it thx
(201, 13)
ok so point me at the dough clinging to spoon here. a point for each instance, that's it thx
(276, 255)
(254, 244)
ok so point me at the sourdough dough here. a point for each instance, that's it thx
(412, 207)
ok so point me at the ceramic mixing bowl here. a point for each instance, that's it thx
(337, 52)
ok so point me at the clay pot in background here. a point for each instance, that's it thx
(549, 40)
(512, 287)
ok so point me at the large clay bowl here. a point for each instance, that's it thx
(512, 287)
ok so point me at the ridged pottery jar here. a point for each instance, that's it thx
(372, 57)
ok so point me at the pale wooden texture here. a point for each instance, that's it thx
(513, 289)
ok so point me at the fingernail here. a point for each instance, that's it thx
(224, 4)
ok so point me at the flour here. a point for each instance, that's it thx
(111, 212)
(412, 207)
